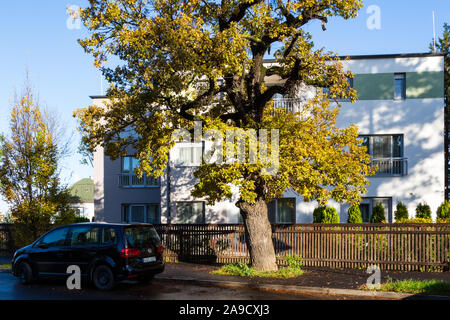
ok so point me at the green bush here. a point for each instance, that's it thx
(378, 214)
(416, 220)
(443, 211)
(238, 269)
(325, 215)
(401, 213)
(79, 219)
(354, 215)
(423, 211)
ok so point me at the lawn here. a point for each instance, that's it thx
(293, 269)
(5, 266)
(429, 287)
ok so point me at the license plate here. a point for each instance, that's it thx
(149, 259)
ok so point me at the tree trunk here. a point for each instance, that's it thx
(258, 235)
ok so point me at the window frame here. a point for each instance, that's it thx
(275, 205)
(190, 145)
(132, 173)
(400, 76)
(370, 151)
(126, 217)
(371, 201)
(203, 217)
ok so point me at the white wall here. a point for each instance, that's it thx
(421, 121)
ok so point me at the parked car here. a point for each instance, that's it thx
(104, 252)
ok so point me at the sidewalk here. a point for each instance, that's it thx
(314, 280)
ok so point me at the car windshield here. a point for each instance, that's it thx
(141, 237)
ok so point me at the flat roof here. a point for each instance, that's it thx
(385, 56)
(353, 57)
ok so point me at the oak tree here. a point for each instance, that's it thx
(171, 62)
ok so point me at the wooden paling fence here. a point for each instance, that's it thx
(402, 247)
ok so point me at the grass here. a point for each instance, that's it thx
(243, 270)
(5, 265)
(430, 287)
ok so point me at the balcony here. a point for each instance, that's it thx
(289, 104)
(390, 166)
(131, 180)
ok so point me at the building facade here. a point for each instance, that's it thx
(82, 198)
(400, 116)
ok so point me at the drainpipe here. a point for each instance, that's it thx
(168, 190)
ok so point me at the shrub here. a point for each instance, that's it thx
(79, 219)
(325, 215)
(443, 211)
(423, 211)
(354, 215)
(401, 213)
(294, 261)
(416, 220)
(378, 214)
(238, 269)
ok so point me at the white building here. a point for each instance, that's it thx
(82, 198)
(400, 116)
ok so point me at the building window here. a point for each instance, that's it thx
(387, 153)
(399, 86)
(367, 204)
(280, 211)
(190, 212)
(188, 154)
(129, 179)
(141, 213)
(285, 212)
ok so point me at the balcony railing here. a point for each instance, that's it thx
(390, 166)
(289, 104)
(131, 180)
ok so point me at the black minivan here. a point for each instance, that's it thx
(104, 252)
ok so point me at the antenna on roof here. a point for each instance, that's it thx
(101, 85)
(434, 35)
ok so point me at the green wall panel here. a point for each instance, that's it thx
(375, 86)
(380, 86)
(420, 85)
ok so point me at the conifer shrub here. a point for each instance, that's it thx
(378, 214)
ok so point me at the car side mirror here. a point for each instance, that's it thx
(42, 246)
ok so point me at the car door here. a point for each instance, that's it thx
(50, 253)
(83, 244)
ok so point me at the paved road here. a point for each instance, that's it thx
(11, 289)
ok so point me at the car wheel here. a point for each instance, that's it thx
(25, 273)
(146, 279)
(103, 278)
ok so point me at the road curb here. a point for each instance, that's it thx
(305, 290)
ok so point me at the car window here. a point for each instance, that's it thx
(108, 236)
(55, 238)
(141, 237)
(84, 236)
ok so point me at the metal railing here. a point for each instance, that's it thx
(390, 166)
(289, 104)
(131, 180)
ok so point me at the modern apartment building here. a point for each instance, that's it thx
(400, 116)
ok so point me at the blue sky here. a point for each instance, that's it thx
(35, 36)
